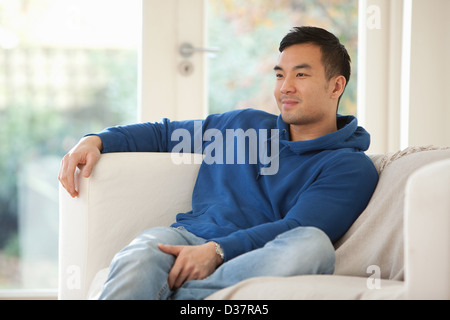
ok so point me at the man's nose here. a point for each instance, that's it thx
(287, 87)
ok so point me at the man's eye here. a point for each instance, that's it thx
(301, 75)
(279, 75)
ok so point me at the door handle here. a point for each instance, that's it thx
(187, 50)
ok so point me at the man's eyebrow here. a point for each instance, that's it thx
(300, 66)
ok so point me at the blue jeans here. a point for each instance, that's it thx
(140, 270)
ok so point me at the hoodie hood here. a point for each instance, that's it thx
(348, 135)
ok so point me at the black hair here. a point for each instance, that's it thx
(335, 58)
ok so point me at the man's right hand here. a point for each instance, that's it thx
(83, 156)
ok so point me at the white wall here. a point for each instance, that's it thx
(429, 120)
(379, 67)
(403, 67)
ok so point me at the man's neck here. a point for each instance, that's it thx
(311, 131)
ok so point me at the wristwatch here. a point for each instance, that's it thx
(219, 250)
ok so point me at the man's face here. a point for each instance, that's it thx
(302, 91)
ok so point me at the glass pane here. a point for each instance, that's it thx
(248, 34)
(67, 68)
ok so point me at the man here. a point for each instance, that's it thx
(248, 222)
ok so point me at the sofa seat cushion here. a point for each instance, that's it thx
(312, 287)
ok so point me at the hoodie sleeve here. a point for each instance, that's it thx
(332, 203)
(160, 136)
(164, 136)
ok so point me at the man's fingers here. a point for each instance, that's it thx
(66, 175)
(70, 173)
(180, 279)
(86, 170)
(173, 250)
(175, 276)
(83, 156)
(191, 263)
(178, 274)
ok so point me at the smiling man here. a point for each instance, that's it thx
(308, 88)
(245, 223)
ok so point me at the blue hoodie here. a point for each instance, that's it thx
(325, 183)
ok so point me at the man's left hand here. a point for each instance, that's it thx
(192, 262)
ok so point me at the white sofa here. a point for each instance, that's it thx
(399, 248)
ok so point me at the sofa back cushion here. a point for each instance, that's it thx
(375, 240)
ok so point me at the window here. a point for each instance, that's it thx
(248, 34)
(69, 67)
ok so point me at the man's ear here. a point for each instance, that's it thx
(338, 85)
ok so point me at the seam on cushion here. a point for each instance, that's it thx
(86, 238)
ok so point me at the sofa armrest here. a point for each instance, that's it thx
(427, 232)
(126, 194)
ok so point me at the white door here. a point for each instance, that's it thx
(173, 86)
